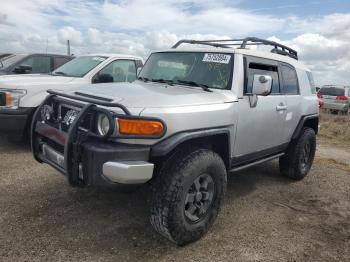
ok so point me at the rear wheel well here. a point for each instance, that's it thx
(312, 123)
(219, 143)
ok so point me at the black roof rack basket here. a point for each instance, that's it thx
(243, 43)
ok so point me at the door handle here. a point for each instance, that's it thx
(281, 107)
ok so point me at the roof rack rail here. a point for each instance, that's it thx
(243, 43)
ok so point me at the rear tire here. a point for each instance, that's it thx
(297, 161)
(187, 195)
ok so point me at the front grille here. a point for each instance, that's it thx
(67, 115)
(63, 114)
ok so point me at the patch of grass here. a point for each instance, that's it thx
(335, 128)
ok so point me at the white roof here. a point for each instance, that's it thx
(113, 55)
(251, 52)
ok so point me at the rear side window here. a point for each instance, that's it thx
(58, 61)
(312, 82)
(262, 69)
(39, 64)
(289, 80)
(332, 91)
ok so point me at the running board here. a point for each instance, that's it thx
(256, 162)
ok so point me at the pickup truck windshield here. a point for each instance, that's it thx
(10, 60)
(80, 66)
(213, 70)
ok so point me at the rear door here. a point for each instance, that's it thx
(290, 89)
(260, 129)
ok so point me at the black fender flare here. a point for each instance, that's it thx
(168, 144)
(302, 122)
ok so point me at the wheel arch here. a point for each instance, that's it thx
(217, 139)
(311, 121)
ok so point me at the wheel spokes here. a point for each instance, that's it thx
(190, 198)
(199, 197)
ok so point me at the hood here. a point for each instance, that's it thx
(19, 81)
(147, 95)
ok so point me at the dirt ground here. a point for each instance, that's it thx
(266, 217)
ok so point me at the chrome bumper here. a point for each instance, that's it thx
(128, 172)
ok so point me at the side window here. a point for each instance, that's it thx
(39, 64)
(120, 71)
(254, 68)
(289, 80)
(312, 82)
(58, 61)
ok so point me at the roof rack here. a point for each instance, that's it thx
(243, 43)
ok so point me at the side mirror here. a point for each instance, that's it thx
(23, 69)
(103, 78)
(262, 85)
(138, 71)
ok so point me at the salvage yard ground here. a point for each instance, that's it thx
(265, 217)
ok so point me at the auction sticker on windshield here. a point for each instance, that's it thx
(216, 58)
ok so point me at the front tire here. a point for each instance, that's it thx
(188, 194)
(297, 161)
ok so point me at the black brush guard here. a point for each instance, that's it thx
(73, 139)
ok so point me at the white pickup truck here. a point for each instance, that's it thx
(20, 95)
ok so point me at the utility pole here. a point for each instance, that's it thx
(68, 47)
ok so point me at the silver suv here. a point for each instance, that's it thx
(335, 98)
(194, 115)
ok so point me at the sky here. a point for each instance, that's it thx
(318, 30)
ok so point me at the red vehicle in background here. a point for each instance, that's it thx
(320, 101)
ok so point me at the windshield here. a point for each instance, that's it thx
(212, 70)
(80, 66)
(332, 91)
(10, 60)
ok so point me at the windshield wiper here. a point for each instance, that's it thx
(144, 79)
(161, 80)
(192, 83)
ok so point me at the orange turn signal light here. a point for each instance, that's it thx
(8, 99)
(140, 127)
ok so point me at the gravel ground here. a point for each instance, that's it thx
(265, 217)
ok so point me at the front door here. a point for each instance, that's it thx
(260, 128)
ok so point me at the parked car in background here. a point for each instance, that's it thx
(335, 98)
(31, 63)
(21, 94)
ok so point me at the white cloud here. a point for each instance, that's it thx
(70, 33)
(138, 26)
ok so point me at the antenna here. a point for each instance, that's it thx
(68, 48)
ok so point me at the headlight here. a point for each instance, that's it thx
(103, 124)
(9, 98)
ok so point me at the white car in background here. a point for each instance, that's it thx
(20, 95)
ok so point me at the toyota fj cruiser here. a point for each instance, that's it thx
(193, 115)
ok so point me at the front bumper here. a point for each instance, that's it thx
(104, 163)
(88, 160)
(15, 120)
